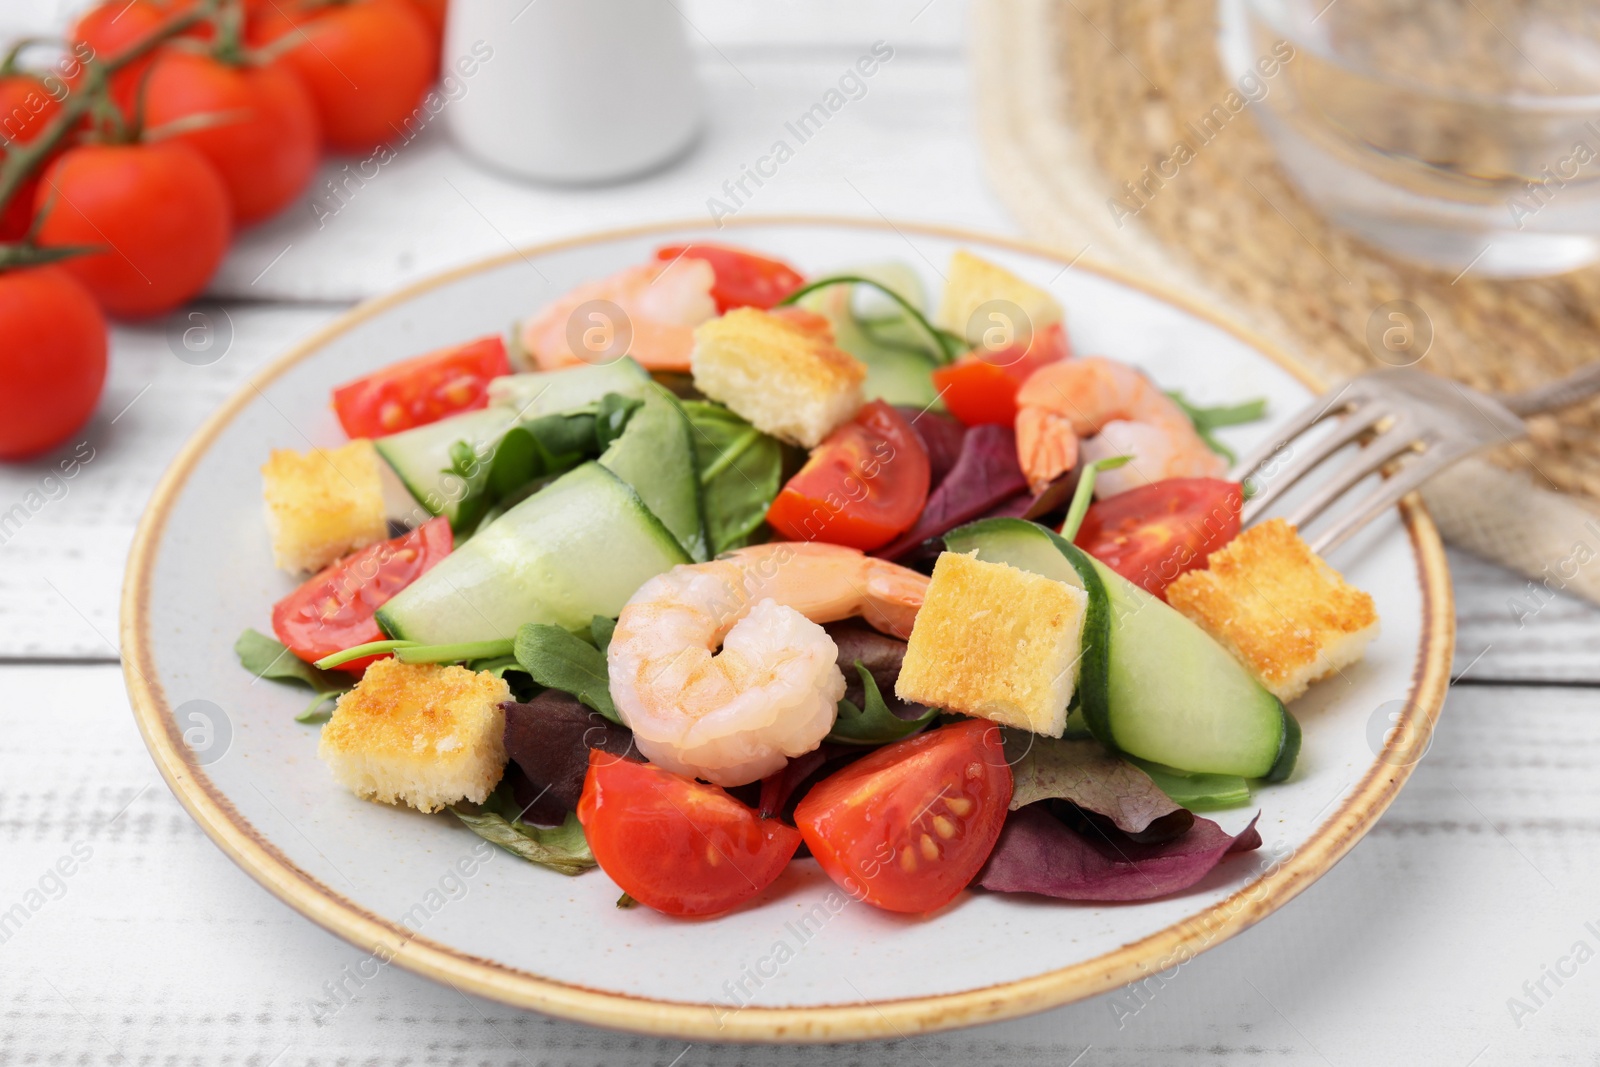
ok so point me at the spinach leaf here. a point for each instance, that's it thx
(1208, 419)
(612, 417)
(473, 470)
(561, 848)
(741, 471)
(873, 723)
(600, 631)
(558, 659)
(266, 657)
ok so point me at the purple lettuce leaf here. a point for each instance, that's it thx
(985, 474)
(941, 438)
(1084, 773)
(1039, 853)
(549, 739)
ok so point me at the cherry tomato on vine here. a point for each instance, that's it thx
(263, 138)
(159, 212)
(862, 486)
(26, 107)
(981, 387)
(111, 28)
(908, 827)
(677, 845)
(421, 390)
(743, 279)
(52, 360)
(367, 65)
(1154, 533)
(334, 609)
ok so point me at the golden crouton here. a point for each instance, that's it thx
(419, 733)
(974, 282)
(995, 642)
(1282, 611)
(323, 504)
(779, 370)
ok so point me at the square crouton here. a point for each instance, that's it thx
(974, 282)
(997, 643)
(323, 504)
(779, 370)
(1282, 611)
(420, 733)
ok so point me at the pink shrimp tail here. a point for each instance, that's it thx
(1047, 447)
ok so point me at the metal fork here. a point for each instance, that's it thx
(1411, 426)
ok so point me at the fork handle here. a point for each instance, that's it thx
(1563, 392)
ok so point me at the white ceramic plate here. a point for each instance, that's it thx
(794, 965)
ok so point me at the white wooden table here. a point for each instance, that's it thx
(156, 949)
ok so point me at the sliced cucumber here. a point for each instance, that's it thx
(558, 391)
(1151, 683)
(578, 548)
(881, 335)
(421, 457)
(655, 455)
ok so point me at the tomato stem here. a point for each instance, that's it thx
(21, 164)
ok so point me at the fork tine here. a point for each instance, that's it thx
(1387, 446)
(1303, 420)
(1388, 494)
(1361, 419)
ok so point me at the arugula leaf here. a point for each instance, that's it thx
(266, 657)
(1083, 495)
(741, 471)
(561, 848)
(559, 659)
(600, 631)
(873, 723)
(945, 345)
(1208, 419)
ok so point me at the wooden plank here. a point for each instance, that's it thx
(1476, 880)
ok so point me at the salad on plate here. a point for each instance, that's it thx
(711, 566)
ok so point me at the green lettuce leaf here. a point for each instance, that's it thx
(561, 848)
(741, 472)
(266, 657)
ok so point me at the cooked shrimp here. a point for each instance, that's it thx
(1079, 398)
(662, 304)
(738, 715)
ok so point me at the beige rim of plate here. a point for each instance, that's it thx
(834, 1022)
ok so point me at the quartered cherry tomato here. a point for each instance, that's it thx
(908, 827)
(333, 610)
(421, 390)
(677, 845)
(862, 486)
(1154, 533)
(981, 387)
(743, 279)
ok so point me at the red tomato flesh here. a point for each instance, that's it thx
(679, 846)
(1154, 533)
(333, 610)
(981, 387)
(743, 279)
(908, 827)
(52, 360)
(418, 391)
(26, 108)
(864, 485)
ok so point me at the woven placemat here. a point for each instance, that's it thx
(1078, 97)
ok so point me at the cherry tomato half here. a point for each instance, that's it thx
(333, 610)
(52, 362)
(679, 846)
(367, 65)
(981, 387)
(862, 486)
(421, 390)
(159, 212)
(1154, 533)
(743, 279)
(908, 827)
(265, 141)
